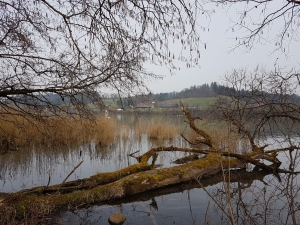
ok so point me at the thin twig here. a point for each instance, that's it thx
(71, 173)
(206, 214)
(212, 198)
(131, 154)
(227, 194)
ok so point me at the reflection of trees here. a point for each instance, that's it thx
(263, 201)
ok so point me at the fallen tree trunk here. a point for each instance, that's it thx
(242, 176)
(31, 201)
(132, 180)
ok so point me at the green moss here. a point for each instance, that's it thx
(125, 182)
(105, 178)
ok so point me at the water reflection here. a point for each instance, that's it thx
(27, 168)
(165, 206)
(168, 209)
(247, 196)
(255, 198)
(250, 197)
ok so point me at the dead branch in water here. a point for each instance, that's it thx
(71, 172)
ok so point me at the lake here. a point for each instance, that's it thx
(255, 198)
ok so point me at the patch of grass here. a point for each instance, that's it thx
(201, 103)
(110, 101)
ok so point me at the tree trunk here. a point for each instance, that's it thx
(115, 185)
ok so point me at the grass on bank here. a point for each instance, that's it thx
(200, 103)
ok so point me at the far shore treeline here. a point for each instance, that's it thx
(197, 91)
(203, 91)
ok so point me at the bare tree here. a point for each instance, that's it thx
(258, 19)
(78, 49)
(263, 107)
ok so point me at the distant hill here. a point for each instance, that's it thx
(199, 91)
(198, 96)
(200, 103)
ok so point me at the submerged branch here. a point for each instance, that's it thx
(71, 172)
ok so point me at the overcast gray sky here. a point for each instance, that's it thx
(217, 58)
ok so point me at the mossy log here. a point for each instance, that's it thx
(132, 180)
(112, 186)
(135, 179)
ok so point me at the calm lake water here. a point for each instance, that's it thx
(255, 198)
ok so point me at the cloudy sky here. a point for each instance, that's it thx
(218, 58)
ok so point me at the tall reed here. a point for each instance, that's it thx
(22, 131)
(157, 129)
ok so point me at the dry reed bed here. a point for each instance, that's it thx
(157, 129)
(20, 131)
(73, 131)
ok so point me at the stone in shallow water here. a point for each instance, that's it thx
(116, 219)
